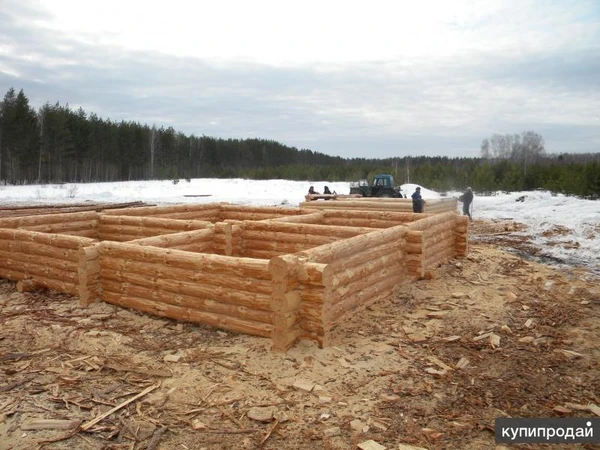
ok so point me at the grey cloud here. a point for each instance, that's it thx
(380, 109)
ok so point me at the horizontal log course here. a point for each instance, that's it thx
(217, 264)
(55, 240)
(201, 247)
(205, 216)
(190, 315)
(316, 218)
(274, 246)
(440, 258)
(181, 238)
(92, 234)
(392, 216)
(273, 210)
(36, 249)
(429, 221)
(211, 305)
(155, 210)
(382, 263)
(277, 236)
(46, 219)
(163, 271)
(40, 280)
(154, 222)
(367, 254)
(376, 293)
(439, 246)
(63, 227)
(348, 247)
(430, 242)
(357, 204)
(37, 259)
(260, 254)
(225, 294)
(35, 268)
(357, 222)
(306, 228)
(390, 274)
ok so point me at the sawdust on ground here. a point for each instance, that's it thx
(492, 335)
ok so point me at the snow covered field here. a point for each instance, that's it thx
(552, 220)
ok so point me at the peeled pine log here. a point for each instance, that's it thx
(200, 247)
(273, 210)
(93, 234)
(28, 221)
(274, 246)
(355, 205)
(264, 255)
(55, 285)
(63, 227)
(202, 291)
(306, 228)
(190, 315)
(206, 216)
(369, 223)
(277, 236)
(316, 218)
(348, 247)
(189, 301)
(175, 239)
(154, 210)
(368, 254)
(153, 222)
(55, 240)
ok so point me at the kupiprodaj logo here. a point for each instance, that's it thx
(570, 430)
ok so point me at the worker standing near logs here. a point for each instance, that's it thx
(417, 201)
(467, 199)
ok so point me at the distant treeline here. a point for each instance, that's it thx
(58, 144)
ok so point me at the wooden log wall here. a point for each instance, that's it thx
(128, 228)
(268, 239)
(197, 241)
(340, 278)
(221, 291)
(432, 241)
(239, 212)
(84, 224)
(49, 260)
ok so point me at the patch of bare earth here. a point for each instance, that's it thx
(493, 335)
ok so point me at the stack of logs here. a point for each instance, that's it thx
(287, 273)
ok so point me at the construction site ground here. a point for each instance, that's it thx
(495, 334)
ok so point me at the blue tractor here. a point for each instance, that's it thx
(383, 186)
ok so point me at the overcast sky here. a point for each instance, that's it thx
(355, 79)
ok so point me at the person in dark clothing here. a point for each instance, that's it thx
(326, 190)
(467, 199)
(417, 201)
(311, 190)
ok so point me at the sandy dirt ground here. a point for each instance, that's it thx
(496, 334)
